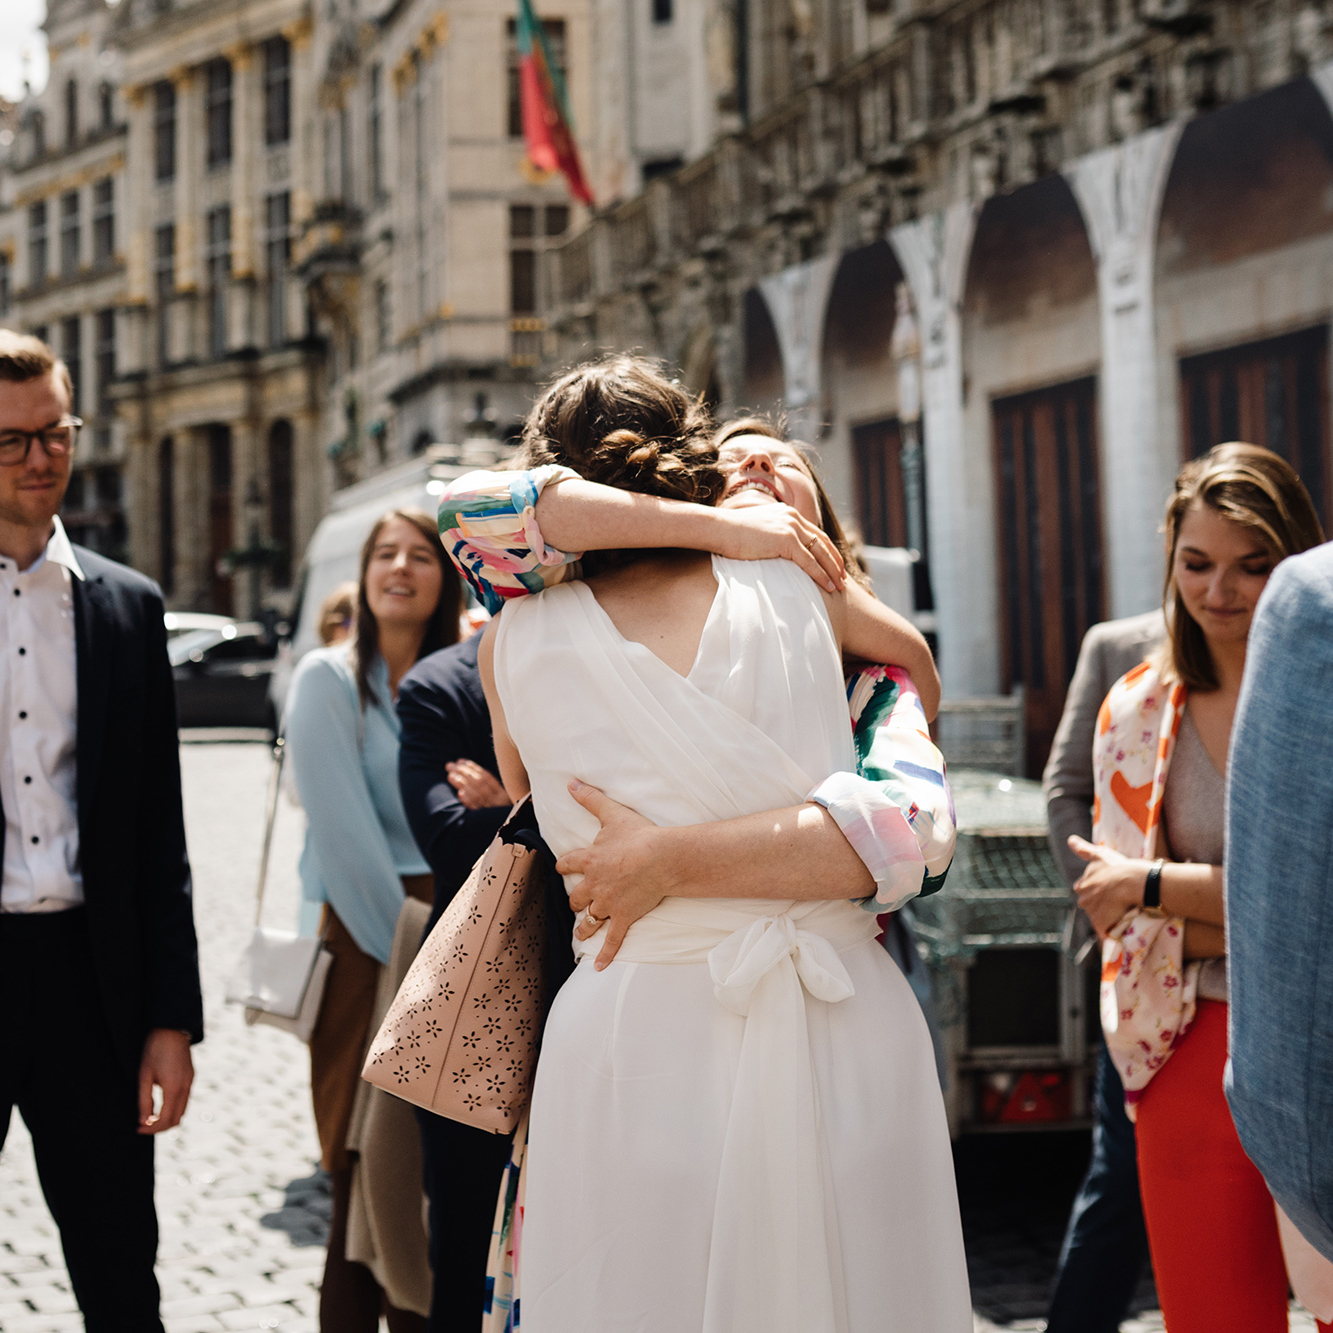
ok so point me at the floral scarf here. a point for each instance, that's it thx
(1148, 990)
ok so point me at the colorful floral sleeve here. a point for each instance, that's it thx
(896, 811)
(488, 524)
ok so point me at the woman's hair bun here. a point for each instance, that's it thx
(621, 421)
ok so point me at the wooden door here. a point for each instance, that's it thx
(1272, 393)
(220, 527)
(881, 500)
(1050, 539)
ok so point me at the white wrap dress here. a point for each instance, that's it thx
(737, 1126)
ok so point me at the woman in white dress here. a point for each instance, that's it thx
(736, 1125)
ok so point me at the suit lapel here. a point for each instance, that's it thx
(92, 643)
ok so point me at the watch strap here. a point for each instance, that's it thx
(1152, 886)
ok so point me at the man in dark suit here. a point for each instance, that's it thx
(447, 735)
(99, 975)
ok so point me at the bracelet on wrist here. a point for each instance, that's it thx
(1152, 886)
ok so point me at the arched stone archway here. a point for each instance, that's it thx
(699, 369)
(762, 382)
(1031, 351)
(861, 447)
(1244, 283)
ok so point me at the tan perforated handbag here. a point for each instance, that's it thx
(460, 1038)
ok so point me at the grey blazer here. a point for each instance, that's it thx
(1109, 650)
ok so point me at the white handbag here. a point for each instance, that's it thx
(280, 976)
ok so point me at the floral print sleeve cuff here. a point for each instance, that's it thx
(896, 811)
(488, 524)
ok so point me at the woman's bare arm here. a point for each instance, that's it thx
(512, 771)
(872, 632)
(578, 515)
(1204, 940)
(798, 852)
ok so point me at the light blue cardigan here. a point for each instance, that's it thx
(345, 764)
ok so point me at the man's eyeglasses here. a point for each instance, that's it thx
(58, 441)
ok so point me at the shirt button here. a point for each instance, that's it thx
(22, 716)
(28, 781)
(35, 839)
(23, 652)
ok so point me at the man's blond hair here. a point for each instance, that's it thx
(24, 357)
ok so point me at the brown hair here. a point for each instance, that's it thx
(442, 627)
(338, 611)
(620, 421)
(1250, 486)
(848, 546)
(24, 358)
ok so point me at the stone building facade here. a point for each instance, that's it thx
(220, 386)
(1063, 246)
(62, 246)
(327, 252)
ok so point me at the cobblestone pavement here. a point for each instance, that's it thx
(241, 1206)
(243, 1209)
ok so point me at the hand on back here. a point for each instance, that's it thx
(779, 532)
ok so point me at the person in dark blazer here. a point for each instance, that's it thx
(99, 974)
(455, 806)
(1105, 1244)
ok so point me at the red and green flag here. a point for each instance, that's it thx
(548, 128)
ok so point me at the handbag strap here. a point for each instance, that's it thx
(274, 788)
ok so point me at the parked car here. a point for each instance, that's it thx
(222, 674)
(182, 622)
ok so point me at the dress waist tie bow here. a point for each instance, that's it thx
(774, 1264)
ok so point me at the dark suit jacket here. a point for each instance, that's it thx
(136, 875)
(443, 711)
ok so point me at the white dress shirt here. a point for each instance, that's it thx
(38, 731)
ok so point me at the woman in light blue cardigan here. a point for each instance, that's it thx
(360, 858)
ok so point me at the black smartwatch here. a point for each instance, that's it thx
(1152, 886)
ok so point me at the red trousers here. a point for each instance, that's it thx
(1212, 1228)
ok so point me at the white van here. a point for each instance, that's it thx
(334, 553)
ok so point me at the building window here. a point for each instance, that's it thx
(530, 230)
(555, 37)
(280, 526)
(106, 105)
(218, 262)
(38, 123)
(164, 286)
(4, 285)
(71, 113)
(277, 91)
(37, 251)
(72, 355)
(164, 130)
(105, 351)
(166, 515)
(39, 331)
(662, 11)
(217, 111)
(375, 131)
(69, 234)
(104, 221)
(383, 328)
(522, 260)
(278, 253)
